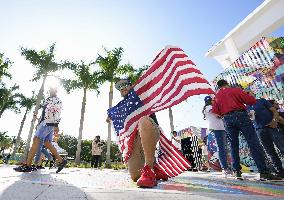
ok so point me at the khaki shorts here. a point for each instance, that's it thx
(137, 160)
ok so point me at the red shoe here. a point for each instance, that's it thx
(160, 174)
(147, 178)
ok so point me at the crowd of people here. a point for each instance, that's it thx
(233, 110)
(229, 112)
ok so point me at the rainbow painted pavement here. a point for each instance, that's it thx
(188, 185)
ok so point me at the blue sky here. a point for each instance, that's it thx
(142, 28)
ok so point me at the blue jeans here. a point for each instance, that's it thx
(41, 150)
(44, 133)
(267, 136)
(220, 136)
(239, 121)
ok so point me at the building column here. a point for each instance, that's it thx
(232, 49)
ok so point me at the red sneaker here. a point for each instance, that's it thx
(147, 178)
(160, 174)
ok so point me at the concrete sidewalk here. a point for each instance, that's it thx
(75, 183)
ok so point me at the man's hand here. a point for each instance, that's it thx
(108, 120)
(35, 116)
(273, 124)
(55, 131)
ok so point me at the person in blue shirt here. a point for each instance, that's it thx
(265, 120)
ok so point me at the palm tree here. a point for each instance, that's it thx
(86, 80)
(9, 98)
(171, 117)
(4, 65)
(27, 103)
(137, 73)
(5, 141)
(44, 62)
(111, 70)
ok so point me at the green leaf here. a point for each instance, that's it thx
(42, 60)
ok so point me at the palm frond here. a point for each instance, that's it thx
(43, 60)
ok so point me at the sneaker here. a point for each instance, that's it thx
(147, 178)
(61, 166)
(51, 164)
(24, 168)
(238, 175)
(226, 173)
(194, 170)
(268, 176)
(160, 174)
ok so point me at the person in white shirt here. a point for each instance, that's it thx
(176, 140)
(216, 126)
(48, 126)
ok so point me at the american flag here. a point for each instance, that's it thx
(171, 79)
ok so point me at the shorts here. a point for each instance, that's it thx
(44, 133)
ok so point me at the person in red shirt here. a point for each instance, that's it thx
(230, 103)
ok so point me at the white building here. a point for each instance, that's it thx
(264, 20)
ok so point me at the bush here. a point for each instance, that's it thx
(117, 166)
(13, 162)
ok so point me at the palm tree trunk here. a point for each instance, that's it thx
(108, 161)
(2, 108)
(79, 148)
(171, 119)
(19, 133)
(1, 112)
(38, 100)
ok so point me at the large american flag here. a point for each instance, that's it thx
(171, 79)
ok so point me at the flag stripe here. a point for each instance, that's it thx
(165, 168)
(183, 84)
(161, 74)
(173, 151)
(184, 97)
(169, 166)
(170, 81)
(158, 62)
(178, 159)
(180, 162)
(173, 165)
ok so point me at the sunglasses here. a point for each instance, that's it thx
(122, 85)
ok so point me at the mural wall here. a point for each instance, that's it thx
(260, 68)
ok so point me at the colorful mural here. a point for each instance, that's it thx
(261, 68)
(213, 152)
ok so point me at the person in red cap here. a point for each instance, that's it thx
(216, 126)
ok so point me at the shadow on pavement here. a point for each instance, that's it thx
(35, 185)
